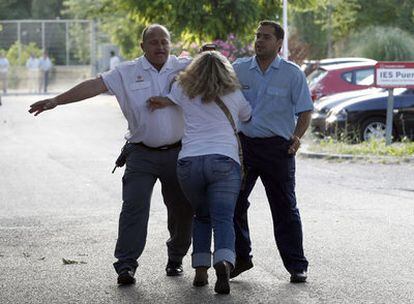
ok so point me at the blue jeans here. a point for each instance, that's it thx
(211, 183)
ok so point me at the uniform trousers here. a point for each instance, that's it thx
(268, 159)
(143, 167)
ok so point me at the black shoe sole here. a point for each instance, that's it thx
(222, 284)
(200, 283)
(174, 273)
(126, 280)
(298, 279)
(240, 269)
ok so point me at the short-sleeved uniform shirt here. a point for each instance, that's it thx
(132, 83)
(207, 128)
(276, 96)
(4, 65)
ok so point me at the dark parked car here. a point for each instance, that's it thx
(337, 78)
(325, 104)
(364, 118)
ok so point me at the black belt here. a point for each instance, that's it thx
(162, 148)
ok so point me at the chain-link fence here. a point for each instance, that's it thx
(76, 48)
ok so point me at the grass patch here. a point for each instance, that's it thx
(405, 148)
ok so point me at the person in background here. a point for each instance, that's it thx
(278, 93)
(45, 65)
(114, 61)
(154, 140)
(4, 70)
(32, 65)
(208, 166)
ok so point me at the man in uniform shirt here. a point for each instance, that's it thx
(113, 61)
(278, 93)
(32, 65)
(45, 65)
(152, 149)
(4, 70)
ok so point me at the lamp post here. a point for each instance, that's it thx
(285, 50)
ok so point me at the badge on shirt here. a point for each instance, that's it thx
(245, 87)
(140, 78)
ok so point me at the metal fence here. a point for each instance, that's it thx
(77, 49)
(69, 42)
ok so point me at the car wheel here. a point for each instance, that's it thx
(373, 129)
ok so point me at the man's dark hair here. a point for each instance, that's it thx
(279, 32)
(147, 28)
(112, 53)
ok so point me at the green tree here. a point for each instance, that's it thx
(206, 20)
(337, 20)
(190, 21)
(46, 9)
(30, 9)
(113, 20)
(15, 9)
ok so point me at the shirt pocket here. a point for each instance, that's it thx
(280, 92)
(279, 98)
(139, 85)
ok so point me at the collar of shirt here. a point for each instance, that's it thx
(168, 65)
(275, 64)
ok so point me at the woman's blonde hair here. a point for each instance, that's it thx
(209, 75)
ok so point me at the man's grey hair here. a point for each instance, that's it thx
(153, 26)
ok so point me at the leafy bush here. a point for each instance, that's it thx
(382, 44)
(26, 50)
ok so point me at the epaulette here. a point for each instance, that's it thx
(182, 62)
(242, 60)
(291, 63)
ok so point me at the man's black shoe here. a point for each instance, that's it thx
(126, 277)
(240, 266)
(298, 276)
(174, 269)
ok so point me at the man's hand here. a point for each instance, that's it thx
(43, 105)
(158, 102)
(294, 147)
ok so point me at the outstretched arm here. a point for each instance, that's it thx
(88, 88)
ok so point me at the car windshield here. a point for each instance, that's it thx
(315, 76)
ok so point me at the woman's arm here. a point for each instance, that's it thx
(159, 102)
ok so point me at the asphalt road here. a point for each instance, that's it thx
(58, 200)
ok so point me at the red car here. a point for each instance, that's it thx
(338, 78)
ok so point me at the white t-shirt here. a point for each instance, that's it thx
(133, 83)
(207, 128)
(113, 62)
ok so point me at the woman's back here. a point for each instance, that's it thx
(207, 128)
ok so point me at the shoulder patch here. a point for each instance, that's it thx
(181, 63)
(243, 60)
(291, 64)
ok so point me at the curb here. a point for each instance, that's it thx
(322, 155)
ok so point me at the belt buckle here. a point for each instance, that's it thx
(163, 148)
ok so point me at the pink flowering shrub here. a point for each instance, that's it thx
(232, 48)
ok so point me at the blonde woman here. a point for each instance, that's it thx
(208, 164)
